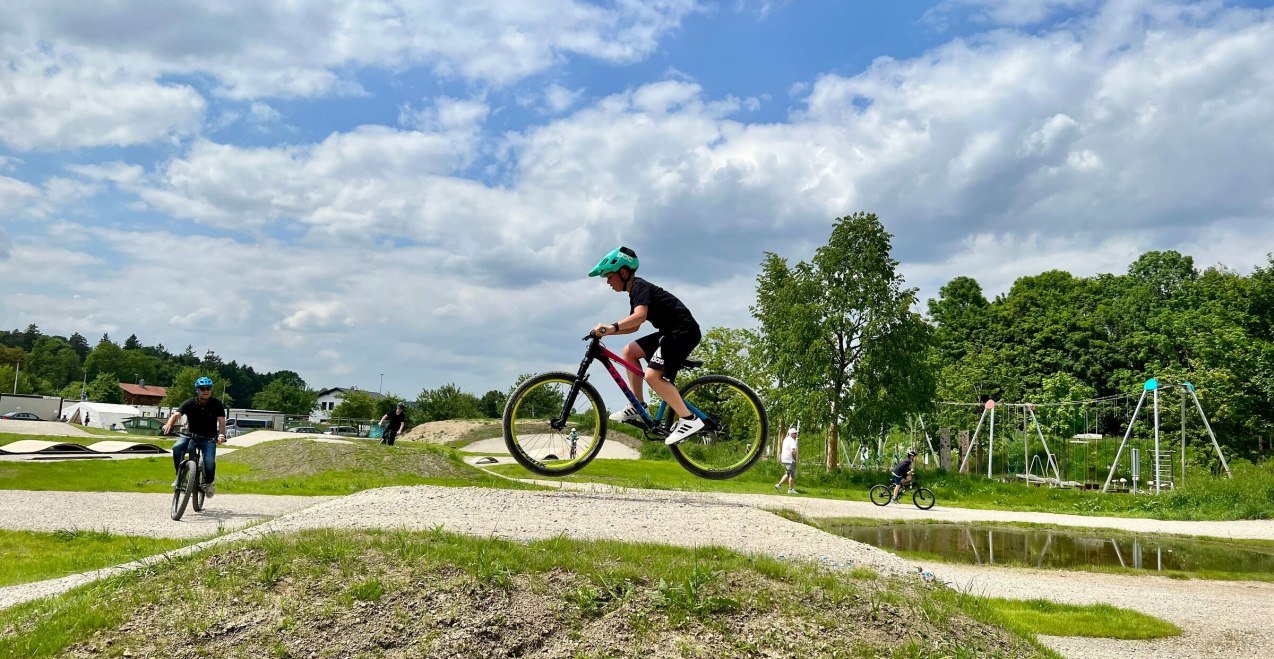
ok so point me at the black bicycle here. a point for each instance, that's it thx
(190, 478)
(923, 497)
(555, 423)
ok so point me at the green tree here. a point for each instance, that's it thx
(447, 402)
(54, 360)
(106, 357)
(105, 389)
(286, 395)
(356, 404)
(183, 387)
(80, 344)
(847, 307)
(491, 405)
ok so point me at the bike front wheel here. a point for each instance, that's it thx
(181, 495)
(535, 410)
(923, 498)
(733, 436)
(197, 496)
(881, 494)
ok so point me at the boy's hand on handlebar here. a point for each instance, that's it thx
(602, 329)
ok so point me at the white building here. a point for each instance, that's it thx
(328, 399)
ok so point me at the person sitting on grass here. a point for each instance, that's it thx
(902, 472)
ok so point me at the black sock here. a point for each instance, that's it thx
(688, 417)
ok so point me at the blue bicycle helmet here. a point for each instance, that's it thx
(204, 381)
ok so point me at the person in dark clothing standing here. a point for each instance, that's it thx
(901, 473)
(205, 423)
(677, 333)
(393, 423)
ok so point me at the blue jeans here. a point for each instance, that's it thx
(209, 446)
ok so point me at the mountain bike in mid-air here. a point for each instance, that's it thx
(555, 423)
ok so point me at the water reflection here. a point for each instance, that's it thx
(1063, 549)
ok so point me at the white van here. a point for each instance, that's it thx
(236, 427)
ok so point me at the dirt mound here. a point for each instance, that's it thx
(443, 432)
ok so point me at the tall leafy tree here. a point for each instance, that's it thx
(447, 402)
(492, 403)
(356, 405)
(847, 307)
(286, 395)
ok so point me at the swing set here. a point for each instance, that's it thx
(1097, 416)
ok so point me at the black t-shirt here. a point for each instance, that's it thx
(201, 420)
(396, 419)
(901, 469)
(663, 309)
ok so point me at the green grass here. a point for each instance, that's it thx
(35, 556)
(1249, 495)
(289, 466)
(399, 593)
(1094, 620)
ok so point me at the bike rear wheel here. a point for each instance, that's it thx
(733, 437)
(532, 413)
(185, 485)
(923, 498)
(881, 494)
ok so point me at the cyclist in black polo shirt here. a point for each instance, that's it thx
(666, 350)
(206, 423)
(901, 473)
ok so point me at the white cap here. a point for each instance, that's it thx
(791, 431)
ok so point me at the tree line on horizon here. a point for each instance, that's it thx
(839, 344)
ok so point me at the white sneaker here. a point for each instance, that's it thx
(684, 429)
(209, 490)
(627, 415)
(176, 483)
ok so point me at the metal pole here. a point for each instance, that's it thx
(928, 440)
(1127, 434)
(972, 442)
(990, 451)
(1157, 472)
(1183, 436)
(1048, 452)
(1209, 427)
(382, 383)
(16, 370)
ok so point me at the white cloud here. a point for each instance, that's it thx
(54, 100)
(377, 249)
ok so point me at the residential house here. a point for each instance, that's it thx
(328, 399)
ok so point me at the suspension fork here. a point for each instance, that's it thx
(581, 376)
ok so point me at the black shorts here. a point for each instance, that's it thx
(668, 352)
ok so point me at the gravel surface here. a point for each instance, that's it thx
(1219, 618)
(133, 513)
(44, 428)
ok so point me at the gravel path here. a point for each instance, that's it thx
(133, 513)
(1219, 618)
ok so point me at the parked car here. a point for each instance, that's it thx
(343, 431)
(309, 429)
(20, 416)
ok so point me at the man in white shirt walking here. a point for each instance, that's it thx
(787, 455)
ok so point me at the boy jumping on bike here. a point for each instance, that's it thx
(205, 420)
(666, 350)
(902, 472)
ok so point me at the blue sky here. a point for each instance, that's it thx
(417, 189)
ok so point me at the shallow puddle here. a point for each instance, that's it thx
(1069, 549)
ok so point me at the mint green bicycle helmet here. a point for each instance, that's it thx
(620, 257)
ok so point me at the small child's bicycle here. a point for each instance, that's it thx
(555, 423)
(922, 496)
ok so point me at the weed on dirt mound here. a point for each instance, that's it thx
(433, 594)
